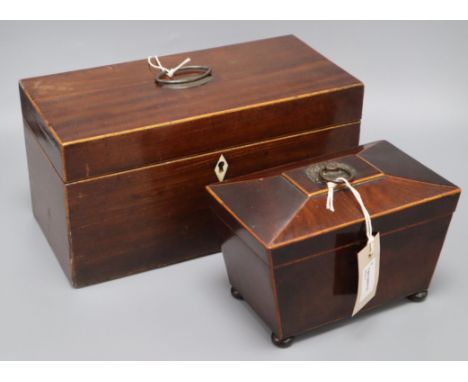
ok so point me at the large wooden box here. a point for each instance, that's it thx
(118, 164)
(295, 262)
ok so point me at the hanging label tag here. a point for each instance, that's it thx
(368, 276)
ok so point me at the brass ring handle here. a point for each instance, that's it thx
(203, 75)
(333, 170)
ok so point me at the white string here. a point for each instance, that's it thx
(331, 187)
(170, 72)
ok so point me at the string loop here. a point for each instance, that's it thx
(331, 187)
(170, 72)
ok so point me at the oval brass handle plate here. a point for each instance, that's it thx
(202, 75)
(330, 171)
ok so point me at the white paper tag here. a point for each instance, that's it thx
(368, 280)
(368, 276)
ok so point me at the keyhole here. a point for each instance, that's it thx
(221, 166)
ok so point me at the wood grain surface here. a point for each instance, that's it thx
(130, 160)
(310, 251)
(115, 118)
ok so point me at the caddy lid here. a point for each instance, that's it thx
(288, 204)
(114, 118)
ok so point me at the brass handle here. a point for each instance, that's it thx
(202, 76)
(333, 170)
(330, 171)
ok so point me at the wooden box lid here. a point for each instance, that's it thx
(282, 206)
(97, 121)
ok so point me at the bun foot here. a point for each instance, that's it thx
(236, 294)
(284, 343)
(418, 297)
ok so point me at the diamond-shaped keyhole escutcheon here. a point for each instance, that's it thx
(221, 168)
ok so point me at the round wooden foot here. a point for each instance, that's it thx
(418, 297)
(236, 294)
(284, 343)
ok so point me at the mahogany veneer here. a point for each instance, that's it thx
(118, 164)
(295, 262)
